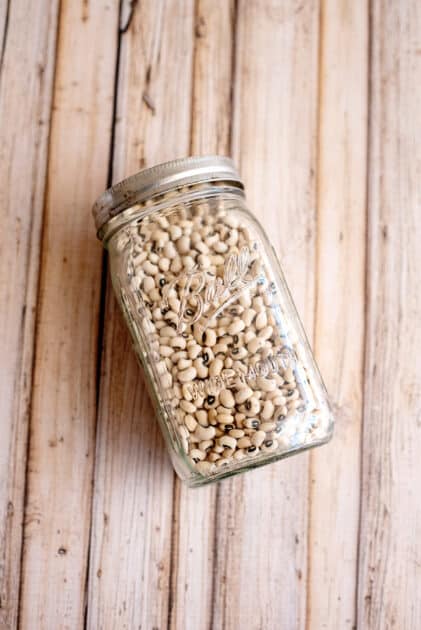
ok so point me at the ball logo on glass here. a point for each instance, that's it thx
(198, 290)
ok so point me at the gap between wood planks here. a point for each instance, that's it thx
(104, 271)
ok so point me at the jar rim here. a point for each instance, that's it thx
(139, 211)
(161, 179)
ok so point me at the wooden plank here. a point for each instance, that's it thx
(133, 476)
(261, 518)
(194, 510)
(4, 29)
(27, 42)
(341, 219)
(213, 77)
(57, 518)
(390, 541)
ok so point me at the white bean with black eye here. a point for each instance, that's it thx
(237, 418)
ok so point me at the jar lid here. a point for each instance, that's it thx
(160, 179)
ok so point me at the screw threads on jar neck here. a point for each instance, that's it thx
(158, 203)
(167, 178)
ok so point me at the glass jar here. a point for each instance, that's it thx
(228, 366)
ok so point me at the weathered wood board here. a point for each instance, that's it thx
(318, 102)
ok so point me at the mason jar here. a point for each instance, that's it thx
(227, 363)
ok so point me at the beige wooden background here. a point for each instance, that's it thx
(319, 103)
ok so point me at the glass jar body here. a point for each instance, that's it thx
(228, 366)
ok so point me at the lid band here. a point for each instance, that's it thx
(161, 179)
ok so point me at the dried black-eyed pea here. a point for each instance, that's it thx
(216, 367)
(225, 419)
(227, 428)
(251, 423)
(254, 345)
(212, 416)
(183, 432)
(236, 433)
(204, 433)
(178, 342)
(164, 264)
(208, 338)
(175, 232)
(238, 353)
(190, 422)
(267, 410)
(177, 391)
(187, 406)
(270, 445)
(258, 438)
(206, 445)
(248, 336)
(226, 398)
(183, 364)
(279, 400)
(166, 351)
(288, 375)
(227, 442)
(149, 268)
(197, 455)
(193, 349)
(202, 417)
(188, 375)
(208, 356)
(179, 354)
(252, 450)
(266, 333)
(236, 327)
(239, 367)
(261, 320)
(251, 406)
(183, 245)
(220, 409)
(241, 337)
(200, 367)
(244, 442)
(148, 284)
(186, 392)
(166, 381)
(267, 426)
(279, 427)
(211, 401)
(223, 462)
(266, 384)
(228, 452)
(243, 394)
(282, 410)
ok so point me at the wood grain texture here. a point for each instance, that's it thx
(213, 77)
(319, 103)
(193, 547)
(341, 223)
(390, 542)
(27, 42)
(261, 518)
(132, 520)
(57, 516)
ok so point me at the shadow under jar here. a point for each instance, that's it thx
(231, 374)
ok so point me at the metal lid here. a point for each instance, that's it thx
(160, 179)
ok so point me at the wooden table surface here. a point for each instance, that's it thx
(319, 103)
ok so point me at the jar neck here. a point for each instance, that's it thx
(138, 211)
